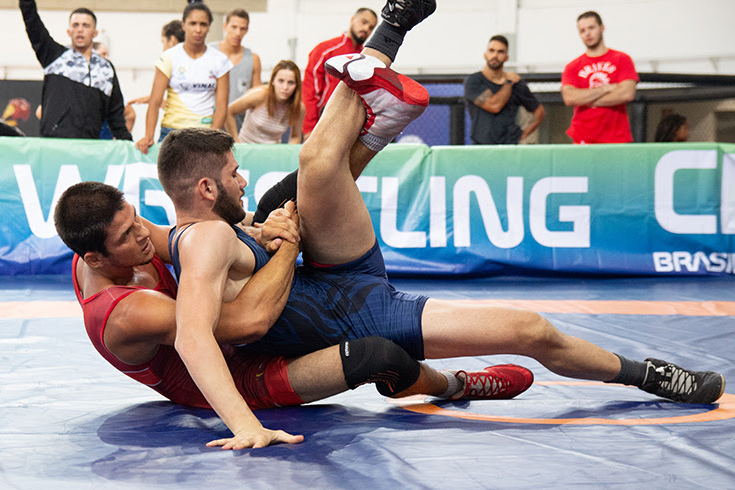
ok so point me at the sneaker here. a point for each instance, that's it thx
(407, 13)
(391, 100)
(494, 383)
(681, 385)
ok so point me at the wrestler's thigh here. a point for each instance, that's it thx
(464, 328)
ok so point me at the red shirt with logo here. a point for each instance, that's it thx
(600, 124)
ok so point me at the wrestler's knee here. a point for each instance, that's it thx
(309, 153)
(380, 361)
(535, 333)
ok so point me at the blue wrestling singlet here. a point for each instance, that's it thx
(329, 304)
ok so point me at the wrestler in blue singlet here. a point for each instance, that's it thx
(329, 304)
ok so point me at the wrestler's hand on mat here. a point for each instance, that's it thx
(255, 439)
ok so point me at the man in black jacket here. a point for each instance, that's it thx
(80, 88)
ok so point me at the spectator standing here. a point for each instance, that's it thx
(246, 71)
(318, 85)
(598, 84)
(494, 96)
(672, 128)
(195, 79)
(80, 87)
(272, 109)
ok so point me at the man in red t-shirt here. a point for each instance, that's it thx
(598, 84)
(318, 85)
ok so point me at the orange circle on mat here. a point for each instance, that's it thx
(725, 409)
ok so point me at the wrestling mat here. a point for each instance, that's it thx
(68, 420)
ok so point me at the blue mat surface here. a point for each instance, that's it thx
(68, 420)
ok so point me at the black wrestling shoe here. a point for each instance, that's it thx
(681, 385)
(407, 13)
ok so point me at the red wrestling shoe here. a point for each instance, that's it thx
(391, 100)
(495, 383)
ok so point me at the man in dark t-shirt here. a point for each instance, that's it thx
(493, 97)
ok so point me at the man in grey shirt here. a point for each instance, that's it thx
(246, 73)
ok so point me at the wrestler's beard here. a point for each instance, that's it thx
(227, 208)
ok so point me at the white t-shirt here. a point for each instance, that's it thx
(191, 86)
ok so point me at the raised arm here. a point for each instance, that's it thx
(204, 275)
(47, 50)
(486, 99)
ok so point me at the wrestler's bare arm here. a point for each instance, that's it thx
(262, 299)
(207, 273)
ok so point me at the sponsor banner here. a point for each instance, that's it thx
(653, 209)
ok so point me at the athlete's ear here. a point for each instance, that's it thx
(207, 189)
(94, 259)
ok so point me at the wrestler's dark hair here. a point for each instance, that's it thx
(500, 39)
(667, 128)
(197, 6)
(189, 154)
(592, 14)
(83, 214)
(365, 9)
(83, 10)
(174, 29)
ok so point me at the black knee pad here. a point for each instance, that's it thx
(284, 190)
(380, 361)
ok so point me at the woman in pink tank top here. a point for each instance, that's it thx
(272, 108)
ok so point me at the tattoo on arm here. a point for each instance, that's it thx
(482, 98)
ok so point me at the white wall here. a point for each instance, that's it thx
(661, 35)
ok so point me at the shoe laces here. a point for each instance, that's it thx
(676, 380)
(485, 384)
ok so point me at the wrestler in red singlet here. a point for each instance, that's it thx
(262, 380)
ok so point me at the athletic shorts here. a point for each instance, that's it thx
(329, 304)
(262, 380)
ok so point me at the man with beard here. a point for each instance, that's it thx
(128, 299)
(598, 84)
(318, 85)
(493, 97)
(342, 291)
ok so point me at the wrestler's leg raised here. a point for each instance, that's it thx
(357, 122)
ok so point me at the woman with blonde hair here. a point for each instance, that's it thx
(272, 108)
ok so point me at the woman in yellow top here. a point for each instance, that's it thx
(272, 108)
(196, 78)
